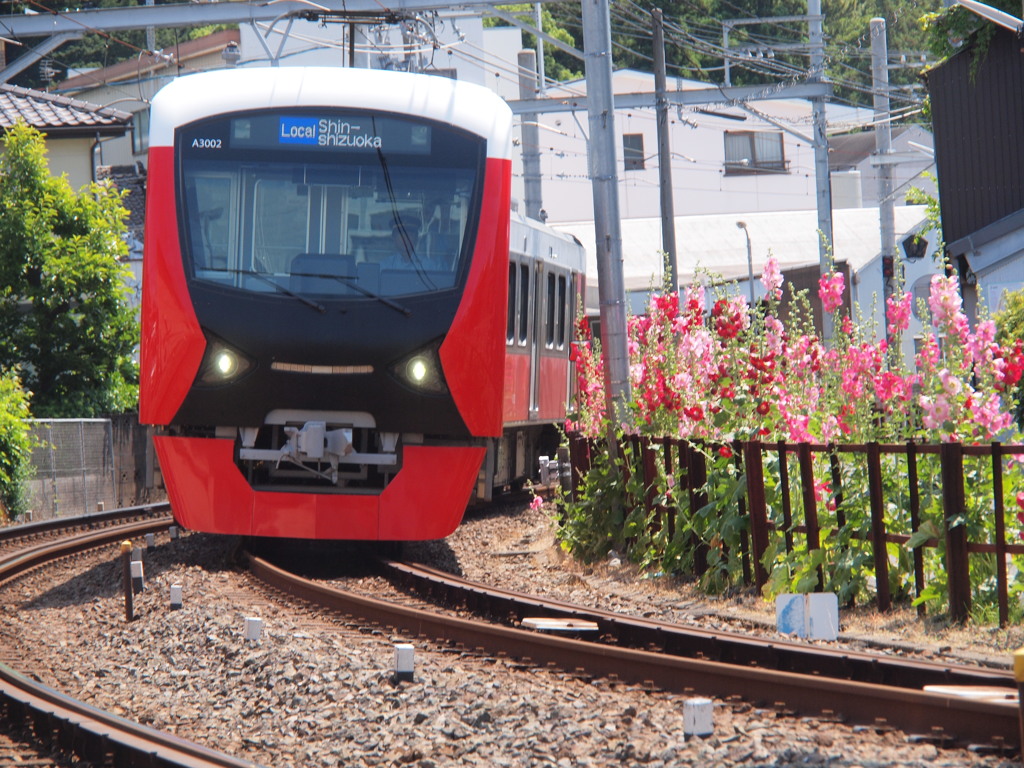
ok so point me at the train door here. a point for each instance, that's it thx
(539, 309)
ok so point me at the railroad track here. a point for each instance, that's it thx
(872, 690)
(59, 723)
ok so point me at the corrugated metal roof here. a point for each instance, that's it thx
(57, 114)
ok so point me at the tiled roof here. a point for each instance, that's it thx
(132, 179)
(53, 114)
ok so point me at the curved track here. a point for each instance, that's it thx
(802, 679)
(92, 735)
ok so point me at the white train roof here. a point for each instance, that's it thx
(205, 94)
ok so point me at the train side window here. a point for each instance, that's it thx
(562, 310)
(524, 303)
(550, 313)
(510, 327)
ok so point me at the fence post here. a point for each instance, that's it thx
(787, 503)
(741, 502)
(951, 457)
(810, 504)
(650, 473)
(579, 452)
(878, 548)
(1000, 513)
(837, 485)
(667, 514)
(753, 464)
(915, 523)
(697, 473)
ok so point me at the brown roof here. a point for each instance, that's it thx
(848, 150)
(146, 63)
(58, 115)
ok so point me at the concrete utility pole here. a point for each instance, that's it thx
(597, 44)
(883, 147)
(541, 76)
(530, 133)
(822, 178)
(668, 208)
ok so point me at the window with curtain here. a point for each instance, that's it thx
(755, 152)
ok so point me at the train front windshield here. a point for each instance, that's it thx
(328, 204)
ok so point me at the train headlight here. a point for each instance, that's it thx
(226, 363)
(422, 371)
(221, 364)
(418, 370)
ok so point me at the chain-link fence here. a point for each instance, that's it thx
(74, 467)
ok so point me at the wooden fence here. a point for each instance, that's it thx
(688, 464)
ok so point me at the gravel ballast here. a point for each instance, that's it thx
(312, 692)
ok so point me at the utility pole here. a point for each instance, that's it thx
(530, 133)
(822, 179)
(668, 209)
(541, 76)
(597, 58)
(151, 33)
(883, 147)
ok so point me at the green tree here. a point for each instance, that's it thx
(15, 446)
(65, 319)
(558, 65)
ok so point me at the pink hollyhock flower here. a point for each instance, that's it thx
(928, 356)
(774, 334)
(951, 385)
(944, 299)
(897, 312)
(936, 411)
(830, 290)
(989, 416)
(536, 502)
(771, 278)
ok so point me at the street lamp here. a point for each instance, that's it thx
(750, 261)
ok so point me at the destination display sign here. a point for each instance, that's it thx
(331, 133)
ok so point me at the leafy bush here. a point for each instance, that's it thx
(15, 447)
(65, 317)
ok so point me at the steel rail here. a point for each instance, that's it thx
(91, 520)
(25, 558)
(90, 733)
(941, 717)
(730, 647)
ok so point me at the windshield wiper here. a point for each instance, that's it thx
(281, 289)
(351, 282)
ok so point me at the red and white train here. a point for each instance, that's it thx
(346, 334)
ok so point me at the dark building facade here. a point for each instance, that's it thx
(978, 123)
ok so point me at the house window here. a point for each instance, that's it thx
(633, 151)
(140, 132)
(754, 152)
